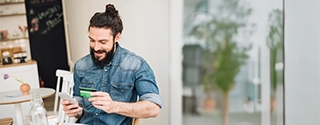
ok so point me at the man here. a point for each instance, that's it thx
(119, 76)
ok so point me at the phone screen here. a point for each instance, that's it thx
(66, 96)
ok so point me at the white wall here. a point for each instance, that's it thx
(175, 61)
(302, 38)
(147, 33)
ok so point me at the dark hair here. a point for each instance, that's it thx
(108, 19)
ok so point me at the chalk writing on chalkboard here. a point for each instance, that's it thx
(53, 16)
(49, 18)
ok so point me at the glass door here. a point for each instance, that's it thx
(233, 62)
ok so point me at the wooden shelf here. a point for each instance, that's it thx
(11, 3)
(13, 39)
(16, 14)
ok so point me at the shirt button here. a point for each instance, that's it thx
(97, 114)
(105, 69)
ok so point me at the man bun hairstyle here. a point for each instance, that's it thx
(108, 19)
(111, 10)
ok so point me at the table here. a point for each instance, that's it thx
(4, 100)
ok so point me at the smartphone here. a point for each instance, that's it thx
(66, 96)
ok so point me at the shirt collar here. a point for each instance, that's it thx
(117, 56)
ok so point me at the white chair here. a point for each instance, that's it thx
(66, 86)
(60, 75)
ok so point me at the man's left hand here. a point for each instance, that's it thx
(103, 101)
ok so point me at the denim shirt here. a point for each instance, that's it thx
(126, 78)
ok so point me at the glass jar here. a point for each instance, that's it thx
(6, 58)
(37, 114)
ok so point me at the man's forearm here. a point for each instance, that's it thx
(141, 109)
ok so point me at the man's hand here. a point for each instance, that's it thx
(103, 101)
(140, 109)
(72, 110)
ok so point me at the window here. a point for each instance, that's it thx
(233, 62)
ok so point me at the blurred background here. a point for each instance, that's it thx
(217, 62)
(233, 62)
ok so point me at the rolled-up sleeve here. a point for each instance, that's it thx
(146, 86)
(155, 98)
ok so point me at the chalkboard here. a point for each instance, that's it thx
(47, 38)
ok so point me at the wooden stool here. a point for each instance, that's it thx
(6, 121)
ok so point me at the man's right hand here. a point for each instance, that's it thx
(72, 110)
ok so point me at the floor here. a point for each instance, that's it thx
(234, 119)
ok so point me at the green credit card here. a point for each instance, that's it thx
(86, 92)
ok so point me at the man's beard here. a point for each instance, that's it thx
(107, 58)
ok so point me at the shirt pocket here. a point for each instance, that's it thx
(121, 92)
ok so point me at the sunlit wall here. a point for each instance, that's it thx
(302, 62)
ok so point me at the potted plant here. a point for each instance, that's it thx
(24, 87)
(209, 88)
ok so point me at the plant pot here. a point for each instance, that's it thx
(272, 105)
(209, 104)
(25, 88)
